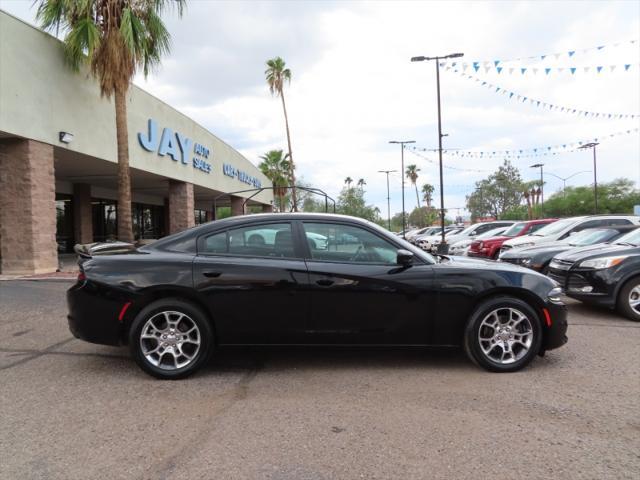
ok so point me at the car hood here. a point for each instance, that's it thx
(546, 247)
(498, 238)
(514, 242)
(599, 250)
(483, 264)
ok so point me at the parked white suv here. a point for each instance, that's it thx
(561, 229)
(472, 231)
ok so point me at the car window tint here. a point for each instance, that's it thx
(537, 226)
(616, 221)
(348, 244)
(265, 240)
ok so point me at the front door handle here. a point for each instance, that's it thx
(325, 282)
(212, 274)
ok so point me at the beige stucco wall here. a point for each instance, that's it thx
(40, 96)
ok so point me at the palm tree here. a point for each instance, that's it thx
(277, 75)
(412, 174)
(116, 39)
(361, 184)
(348, 181)
(427, 193)
(276, 168)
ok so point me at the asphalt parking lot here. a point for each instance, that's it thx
(72, 410)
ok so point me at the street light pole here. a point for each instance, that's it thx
(440, 135)
(541, 166)
(388, 197)
(402, 143)
(595, 174)
(564, 180)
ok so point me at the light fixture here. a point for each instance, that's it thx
(65, 137)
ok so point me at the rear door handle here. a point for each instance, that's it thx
(324, 282)
(212, 274)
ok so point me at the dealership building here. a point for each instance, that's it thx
(58, 159)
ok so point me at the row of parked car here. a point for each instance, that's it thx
(595, 259)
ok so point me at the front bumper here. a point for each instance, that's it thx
(556, 333)
(596, 287)
(93, 314)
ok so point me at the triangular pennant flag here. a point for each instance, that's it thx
(522, 70)
(600, 47)
(557, 55)
(453, 64)
(535, 70)
(464, 67)
(586, 69)
(497, 89)
(546, 71)
(511, 70)
(486, 69)
(499, 69)
(542, 57)
(573, 70)
(538, 103)
(599, 68)
(612, 68)
(484, 83)
(626, 67)
(510, 94)
(524, 99)
(476, 66)
(518, 97)
(496, 62)
(571, 53)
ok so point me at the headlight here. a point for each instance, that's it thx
(554, 294)
(604, 262)
(523, 245)
(525, 261)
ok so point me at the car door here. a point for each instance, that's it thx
(255, 282)
(359, 294)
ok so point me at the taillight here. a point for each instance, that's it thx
(81, 276)
(481, 245)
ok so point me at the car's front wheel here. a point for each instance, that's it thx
(170, 338)
(503, 334)
(629, 300)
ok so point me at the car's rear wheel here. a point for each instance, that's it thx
(503, 334)
(629, 300)
(171, 338)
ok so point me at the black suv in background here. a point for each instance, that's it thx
(606, 275)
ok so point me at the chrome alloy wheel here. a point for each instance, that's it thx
(634, 299)
(170, 340)
(505, 335)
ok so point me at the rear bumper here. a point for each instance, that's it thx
(556, 333)
(93, 314)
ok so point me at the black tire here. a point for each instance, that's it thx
(472, 344)
(623, 306)
(193, 314)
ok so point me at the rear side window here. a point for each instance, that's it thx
(265, 240)
(537, 226)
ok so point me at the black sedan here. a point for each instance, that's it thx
(538, 257)
(271, 279)
(606, 275)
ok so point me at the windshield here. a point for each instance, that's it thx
(631, 238)
(491, 233)
(515, 229)
(555, 227)
(590, 237)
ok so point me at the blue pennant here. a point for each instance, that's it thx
(522, 70)
(626, 67)
(496, 62)
(510, 94)
(571, 53)
(599, 68)
(573, 70)
(499, 69)
(476, 66)
(547, 70)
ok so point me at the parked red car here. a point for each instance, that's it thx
(490, 248)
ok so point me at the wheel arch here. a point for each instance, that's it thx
(158, 293)
(622, 283)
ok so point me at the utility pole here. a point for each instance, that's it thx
(541, 166)
(402, 143)
(440, 135)
(595, 174)
(388, 197)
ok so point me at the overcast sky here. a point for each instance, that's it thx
(354, 88)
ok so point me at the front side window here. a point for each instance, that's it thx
(266, 240)
(348, 244)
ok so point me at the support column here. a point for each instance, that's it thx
(211, 215)
(181, 206)
(267, 208)
(27, 208)
(237, 206)
(82, 213)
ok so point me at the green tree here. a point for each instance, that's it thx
(422, 217)
(427, 194)
(348, 181)
(275, 167)
(277, 74)
(618, 196)
(500, 192)
(361, 183)
(351, 202)
(412, 174)
(116, 39)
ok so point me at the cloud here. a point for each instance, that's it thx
(354, 88)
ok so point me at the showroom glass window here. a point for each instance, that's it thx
(273, 240)
(334, 242)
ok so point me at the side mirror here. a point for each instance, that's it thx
(404, 258)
